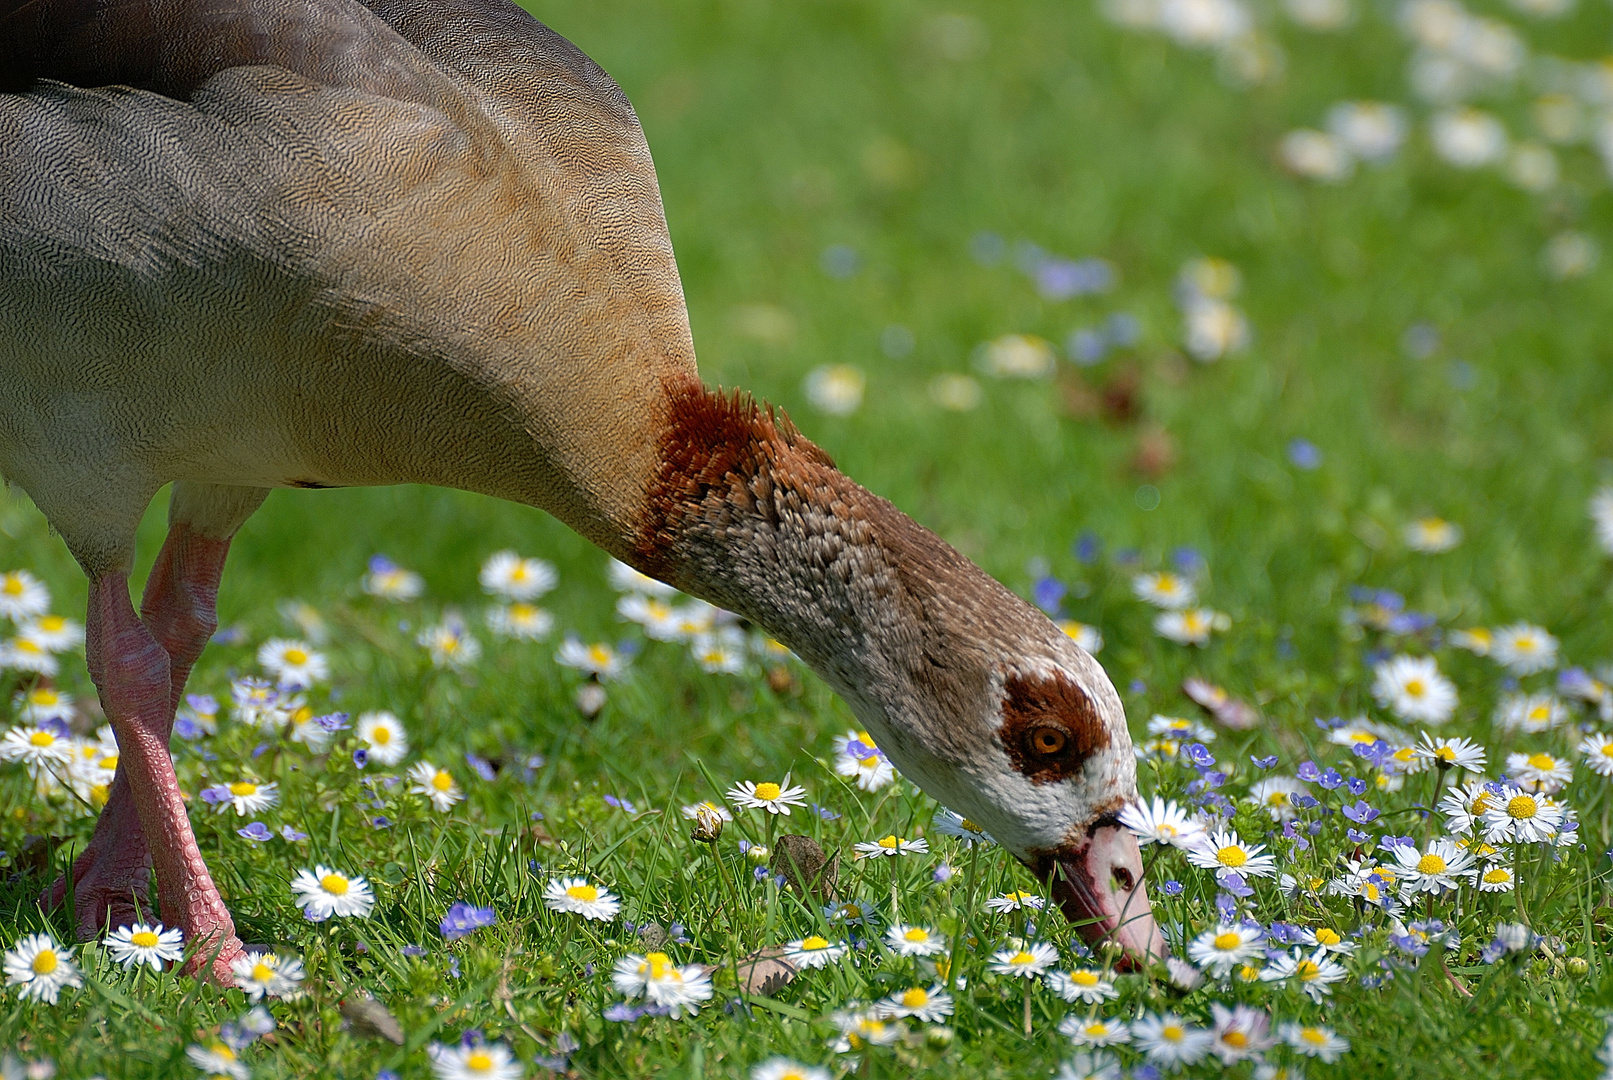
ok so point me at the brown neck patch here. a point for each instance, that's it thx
(1050, 727)
(714, 449)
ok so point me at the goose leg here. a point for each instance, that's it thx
(134, 675)
(111, 875)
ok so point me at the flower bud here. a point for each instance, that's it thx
(1578, 965)
(757, 854)
(708, 825)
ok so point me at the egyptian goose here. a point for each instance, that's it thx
(313, 243)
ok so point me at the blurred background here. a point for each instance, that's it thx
(1039, 271)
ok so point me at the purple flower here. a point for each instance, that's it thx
(1356, 785)
(463, 918)
(1389, 842)
(1356, 836)
(1187, 560)
(1234, 884)
(1285, 933)
(1226, 906)
(1308, 771)
(1088, 547)
(1122, 329)
(1361, 813)
(186, 728)
(622, 1013)
(1048, 592)
(256, 831)
(1138, 687)
(261, 749)
(1304, 454)
(481, 767)
(1086, 346)
(943, 873)
(1410, 944)
(292, 835)
(1171, 888)
(1303, 801)
(621, 804)
(1264, 762)
(381, 821)
(1198, 754)
(333, 722)
(1411, 622)
(1330, 779)
(414, 950)
(215, 795)
(361, 757)
(825, 813)
(1329, 723)
(1373, 752)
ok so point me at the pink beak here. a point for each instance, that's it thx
(1100, 888)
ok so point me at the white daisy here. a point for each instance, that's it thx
(1433, 535)
(1164, 590)
(1361, 731)
(1539, 771)
(53, 633)
(1015, 901)
(483, 1061)
(953, 824)
(661, 981)
(449, 644)
(813, 951)
(1225, 852)
(249, 798)
(1602, 518)
(392, 582)
(1412, 688)
(1274, 795)
(1239, 1033)
(267, 975)
(22, 654)
(1439, 867)
(1094, 1031)
(1160, 822)
(576, 896)
(1190, 627)
(323, 892)
(781, 1068)
(774, 798)
(1026, 963)
(40, 968)
(1314, 974)
(597, 659)
(625, 579)
(384, 737)
(306, 729)
(914, 941)
(1371, 130)
(1088, 637)
(1452, 753)
(293, 663)
(1314, 1041)
(851, 913)
(1598, 751)
(1531, 713)
(22, 596)
(857, 758)
(1524, 649)
(890, 847)
(1180, 728)
(522, 621)
(1328, 940)
(721, 652)
(435, 784)
(1496, 878)
(35, 746)
(658, 617)
(145, 943)
(42, 704)
(1169, 1040)
(1220, 950)
(507, 574)
(860, 1029)
(1082, 984)
(1464, 806)
(1084, 1066)
(1516, 816)
(929, 1006)
(217, 1060)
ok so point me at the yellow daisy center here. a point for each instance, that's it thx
(1173, 1033)
(24, 645)
(1540, 713)
(767, 791)
(599, 654)
(13, 585)
(241, 789)
(381, 735)
(334, 884)
(1313, 1036)
(915, 998)
(1522, 807)
(109, 761)
(1235, 1038)
(1430, 864)
(42, 696)
(1307, 970)
(262, 972)
(1228, 941)
(1415, 687)
(1232, 855)
(295, 657)
(890, 843)
(1097, 1030)
(479, 1061)
(816, 943)
(42, 739)
(1607, 749)
(588, 894)
(917, 933)
(1324, 936)
(1445, 753)
(518, 572)
(1498, 876)
(44, 962)
(1481, 802)
(1542, 761)
(968, 826)
(1022, 957)
(441, 781)
(144, 939)
(1084, 978)
(1278, 798)
(52, 623)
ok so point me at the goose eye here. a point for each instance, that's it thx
(1048, 741)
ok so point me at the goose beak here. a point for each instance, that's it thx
(1100, 887)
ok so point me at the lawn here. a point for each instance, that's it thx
(1061, 281)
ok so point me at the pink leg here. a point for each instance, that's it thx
(111, 875)
(134, 675)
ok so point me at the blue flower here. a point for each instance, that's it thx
(1234, 884)
(1361, 813)
(361, 757)
(1048, 592)
(1264, 762)
(943, 873)
(1198, 754)
(256, 831)
(292, 835)
(1171, 888)
(464, 918)
(481, 767)
(1086, 346)
(622, 1013)
(218, 793)
(1356, 836)
(1308, 771)
(414, 950)
(1088, 547)
(1304, 454)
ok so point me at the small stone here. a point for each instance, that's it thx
(654, 936)
(800, 860)
(369, 1018)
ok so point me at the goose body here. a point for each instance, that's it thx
(313, 243)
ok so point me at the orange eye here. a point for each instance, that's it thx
(1048, 741)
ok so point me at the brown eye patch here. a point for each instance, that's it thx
(1050, 727)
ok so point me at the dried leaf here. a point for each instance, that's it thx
(1226, 709)
(766, 972)
(369, 1018)
(805, 867)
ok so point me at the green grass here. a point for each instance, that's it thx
(779, 130)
